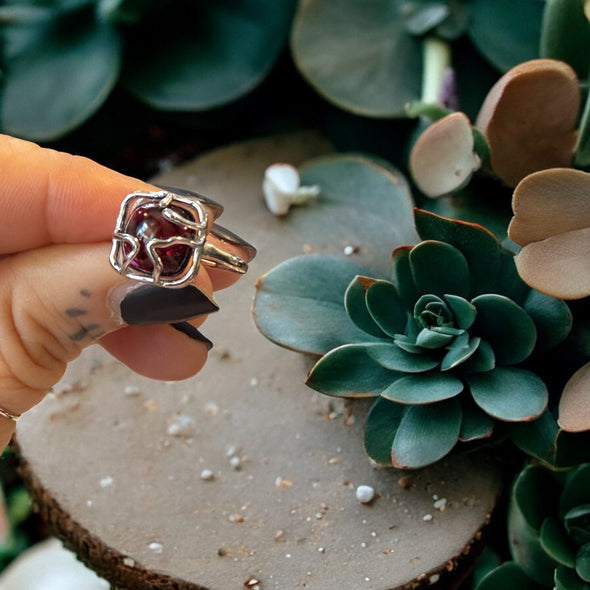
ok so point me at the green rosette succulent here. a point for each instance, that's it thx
(446, 345)
(549, 532)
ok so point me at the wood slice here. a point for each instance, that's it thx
(241, 476)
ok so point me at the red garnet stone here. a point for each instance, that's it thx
(147, 223)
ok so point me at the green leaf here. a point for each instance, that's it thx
(509, 282)
(479, 247)
(582, 152)
(566, 579)
(576, 491)
(552, 318)
(565, 34)
(476, 424)
(533, 506)
(506, 327)
(356, 306)
(361, 203)
(350, 371)
(458, 355)
(300, 304)
(426, 433)
(439, 268)
(576, 521)
(394, 358)
(556, 542)
(583, 562)
(403, 278)
(358, 55)
(428, 338)
(217, 53)
(509, 394)
(482, 360)
(464, 311)
(506, 32)
(423, 388)
(509, 575)
(386, 307)
(59, 81)
(380, 427)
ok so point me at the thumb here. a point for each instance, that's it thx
(56, 300)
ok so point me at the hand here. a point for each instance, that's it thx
(59, 293)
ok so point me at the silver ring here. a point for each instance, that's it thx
(161, 238)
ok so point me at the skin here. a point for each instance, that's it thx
(58, 215)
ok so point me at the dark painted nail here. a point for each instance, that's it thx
(193, 333)
(148, 304)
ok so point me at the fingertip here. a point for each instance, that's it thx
(162, 352)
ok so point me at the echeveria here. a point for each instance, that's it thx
(549, 532)
(444, 344)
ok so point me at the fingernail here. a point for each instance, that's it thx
(193, 333)
(229, 237)
(144, 305)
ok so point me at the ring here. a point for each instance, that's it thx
(161, 238)
(13, 417)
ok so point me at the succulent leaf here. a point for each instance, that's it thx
(556, 542)
(426, 433)
(482, 360)
(428, 338)
(403, 278)
(458, 355)
(480, 248)
(386, 307)
(356, 306)
(566, 579)
(575, 490)
(577, 523)
(464, 311)
(507, 575)
(476, 424)
(380, 429)
(506, 327)
(423, 388)
(583, 562)
(509, 394)
(394, 358)
(439, 268)
(352, 371)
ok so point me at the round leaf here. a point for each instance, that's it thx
(59, 82)
(506, 32)
(567, 579)
(358, 54)
(439, 268)
(214, 53)
(509, 394)
(423, 389)
(574, 406)
(464, 311)
(576, 491)
(476, 424)
(507, 575)
(459, 354)
(426, 433)
(300, 304)
(350, 371)
(508, 329)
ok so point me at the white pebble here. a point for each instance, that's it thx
(365, 494)
(106, 482)
(156, 547)
(235, 462)
(128, 561)
(207, 475)
(182, 425)
(427, 517)
(131, 390)
(440, 504)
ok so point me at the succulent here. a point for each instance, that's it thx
(549, 532)
(61, 60)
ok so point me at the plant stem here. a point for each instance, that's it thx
(437, 60)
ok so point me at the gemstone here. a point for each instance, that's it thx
(147, 223)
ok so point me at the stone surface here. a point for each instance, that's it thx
(278, 504)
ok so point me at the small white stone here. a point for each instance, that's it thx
(131, 390)
(106, 482)
(182, 425)
(427, 517)
(281, 189)
(128, 561)
(235, 462)
(365, 494)
(156, 547)
(207, 475)
(440, 504)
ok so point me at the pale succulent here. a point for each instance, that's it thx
(443, 344)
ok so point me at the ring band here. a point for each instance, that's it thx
(161, 238)
(13, 417)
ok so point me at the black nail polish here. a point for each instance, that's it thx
(229, 237)
(148, 304)
(193, 333)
